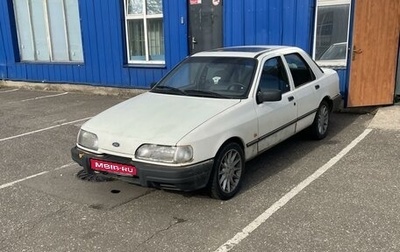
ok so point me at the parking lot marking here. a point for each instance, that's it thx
(8, 91)
(43, 97)
(33, 176)
(287, 197)
(65, 166)
(44, 129)
(23, 179)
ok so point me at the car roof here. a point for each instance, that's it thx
(242, 51)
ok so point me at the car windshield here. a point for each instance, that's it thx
(215, 77)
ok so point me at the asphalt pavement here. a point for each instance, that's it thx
(338, 194)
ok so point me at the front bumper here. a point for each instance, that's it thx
(187, 178)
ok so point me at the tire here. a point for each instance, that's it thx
(320, 126)
(228, 172)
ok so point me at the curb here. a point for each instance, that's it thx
(387, 118)
(76, 88)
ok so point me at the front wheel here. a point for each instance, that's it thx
(319, 128)
(227, 172)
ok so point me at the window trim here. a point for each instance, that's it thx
(331, 63)
(144, 16)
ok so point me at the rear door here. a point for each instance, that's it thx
(305, 89)
(205, 25)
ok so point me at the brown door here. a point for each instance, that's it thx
(374, 55)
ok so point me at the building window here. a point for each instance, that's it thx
(48, 30)
(331, 32)
(144, 31)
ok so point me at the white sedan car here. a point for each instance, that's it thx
(199, 125)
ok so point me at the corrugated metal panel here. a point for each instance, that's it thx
(286, 22)
(103, 39)
(3, 61)
(6, 49)
(342, 80)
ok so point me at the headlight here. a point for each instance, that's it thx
(166, 154)
(87, 140)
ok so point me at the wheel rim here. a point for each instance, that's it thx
(230, 171)
(323, 119)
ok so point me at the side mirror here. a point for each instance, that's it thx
(269, 95)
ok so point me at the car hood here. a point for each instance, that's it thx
(152, 118)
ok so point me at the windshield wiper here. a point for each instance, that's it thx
(175, 90)
(204, 93)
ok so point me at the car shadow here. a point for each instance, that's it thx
(288, 152)
(279, 157)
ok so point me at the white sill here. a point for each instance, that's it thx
(150, 62)
(146, 64)
(332, 63)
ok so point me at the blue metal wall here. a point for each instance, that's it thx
(283, 22)
(6, 50)
(288, 22)
(343, 81)
(103, 35)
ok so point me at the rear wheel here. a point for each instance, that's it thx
(227, 172)
(319, 128)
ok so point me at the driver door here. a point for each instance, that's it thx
(277, 119)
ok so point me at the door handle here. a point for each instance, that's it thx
(193, 42)
(356, 51)
(316, 87)
(290, 98)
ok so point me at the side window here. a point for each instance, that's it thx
(274, 76)
(300, 70)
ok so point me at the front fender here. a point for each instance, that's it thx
(238, 122)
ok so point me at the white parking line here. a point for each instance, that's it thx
(20, 180)
(8, 91)
(287, 197)
(33, 176)
(44, 129)
(43, 97)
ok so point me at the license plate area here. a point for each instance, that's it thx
(111, 167)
